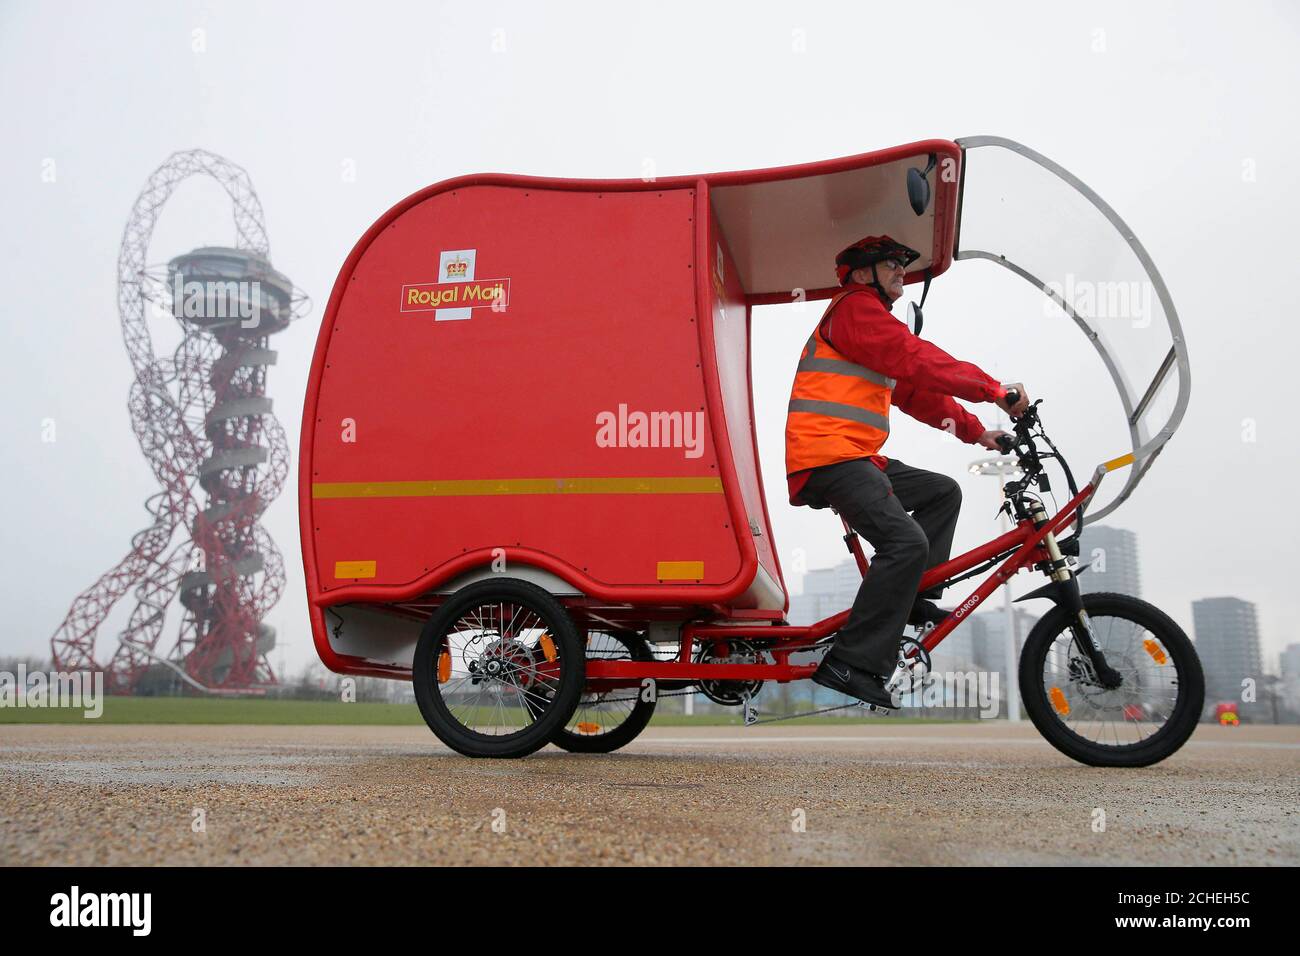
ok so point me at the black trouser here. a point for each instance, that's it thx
(876, 503)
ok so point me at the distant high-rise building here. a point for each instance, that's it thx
(826, 591)
(1290, 669)
(1112, 558)
(1290, 661)
(987, 631)
(1227, 641)
(957, 651)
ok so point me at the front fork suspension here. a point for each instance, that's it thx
(1065, 590)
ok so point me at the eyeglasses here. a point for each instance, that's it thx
(893, 264)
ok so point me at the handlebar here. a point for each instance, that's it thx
(1005, 442)
(1027, 426)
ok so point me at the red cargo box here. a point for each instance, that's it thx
(554, 375)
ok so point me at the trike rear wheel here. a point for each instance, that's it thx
(604, 722)
(498, 669)
(1144, 720)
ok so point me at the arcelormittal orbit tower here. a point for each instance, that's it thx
(204, 423)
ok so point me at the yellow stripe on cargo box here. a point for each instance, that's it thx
(354, 569)
(700, 485)
(680, 570)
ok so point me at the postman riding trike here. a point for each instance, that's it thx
(530, 477)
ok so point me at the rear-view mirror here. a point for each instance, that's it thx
(918, 187)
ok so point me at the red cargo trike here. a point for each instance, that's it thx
(530, 481)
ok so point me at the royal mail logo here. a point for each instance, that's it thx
(458, 293)
(490, 293)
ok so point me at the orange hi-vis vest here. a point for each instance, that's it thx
(839, 410)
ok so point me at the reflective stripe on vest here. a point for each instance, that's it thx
(839, 366)
(838, 410)
(840, 418)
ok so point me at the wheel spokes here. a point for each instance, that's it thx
(504, 669)
(599, 713)
(1124, 716)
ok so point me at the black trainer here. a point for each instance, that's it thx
(834, 674)
(926, 612)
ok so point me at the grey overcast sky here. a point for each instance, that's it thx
(1177, 113)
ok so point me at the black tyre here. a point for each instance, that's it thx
(498, 669)
(1137, 724)
(603, 722)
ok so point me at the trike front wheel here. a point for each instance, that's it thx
(1144, 720)
(498, 669)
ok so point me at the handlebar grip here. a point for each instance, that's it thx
(1006, 443)
(1012, 396)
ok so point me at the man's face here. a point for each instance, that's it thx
(890, 273)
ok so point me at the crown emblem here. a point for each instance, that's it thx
(457, 268)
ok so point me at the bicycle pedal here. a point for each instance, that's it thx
(902, 676)
(910, 672)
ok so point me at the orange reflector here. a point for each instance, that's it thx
(1156, 651)
(354, 569)
(679, 570)
(588, 728)
(548, 646)
(444, 667)
(1059, 703)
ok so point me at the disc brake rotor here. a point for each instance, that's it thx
(508, 662)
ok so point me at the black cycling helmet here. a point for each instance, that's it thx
(869, 251)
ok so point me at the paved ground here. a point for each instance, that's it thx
(880, 794)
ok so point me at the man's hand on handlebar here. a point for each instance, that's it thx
(1015, 401)
(996, 440)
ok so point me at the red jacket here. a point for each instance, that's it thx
(863, 330)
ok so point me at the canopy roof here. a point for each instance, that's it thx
(785, 225)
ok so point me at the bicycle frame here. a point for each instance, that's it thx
(1025, 545)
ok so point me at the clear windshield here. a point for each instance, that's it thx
(1023, 212)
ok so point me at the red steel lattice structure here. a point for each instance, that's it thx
(204, 423)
